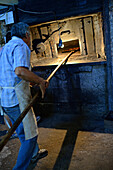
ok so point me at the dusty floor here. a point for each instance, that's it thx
(67, 145)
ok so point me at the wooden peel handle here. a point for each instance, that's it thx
(55, 70)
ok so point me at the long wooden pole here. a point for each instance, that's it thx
(23, 114)
(62, 62)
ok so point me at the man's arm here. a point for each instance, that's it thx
(27, 75)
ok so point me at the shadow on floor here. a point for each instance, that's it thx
(72, 124)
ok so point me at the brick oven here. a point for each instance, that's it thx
(77, 87)
(80, 86)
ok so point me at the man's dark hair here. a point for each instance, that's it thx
(19, 29)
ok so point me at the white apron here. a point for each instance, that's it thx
(22, 90)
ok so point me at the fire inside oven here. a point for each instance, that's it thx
(68, 46)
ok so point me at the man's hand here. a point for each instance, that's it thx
(43, 85)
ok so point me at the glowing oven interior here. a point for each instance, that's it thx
(61, 37)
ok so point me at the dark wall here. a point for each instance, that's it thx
(74, 89)
(55, 9)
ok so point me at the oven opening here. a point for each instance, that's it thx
(68, 46)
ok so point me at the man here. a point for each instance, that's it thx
(15, 92)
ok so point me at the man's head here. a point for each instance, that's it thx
(22, 31)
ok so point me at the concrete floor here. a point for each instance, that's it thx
(70, 147)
